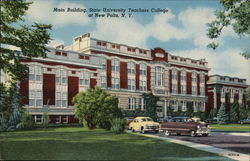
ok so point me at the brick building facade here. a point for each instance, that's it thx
(124, 71)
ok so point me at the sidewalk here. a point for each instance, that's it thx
(208, 148)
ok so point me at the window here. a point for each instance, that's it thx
(202, 91)
(61, 76)
(142, 104)
(183, 76)
(143, 85)
(58, 119)
(202, 78)
(103, 64)
(183, 89)
(35, 73)
(131, 103)
(38, 119)
(159, 76)
(194, 90)
(174, 75)
(103, 82)
(194, 77)
(35, 98)
(174, 88)
(84, 79)
(131, 67)
(61, 99)
(115, 83)
(64, 119)
(131, 84)
(115, 65)
(143, 69)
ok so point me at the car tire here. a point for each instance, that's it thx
(204, 134)
(192, 133)
(133, 130)
(167, 133)
(142, 130)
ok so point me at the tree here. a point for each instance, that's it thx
(222, 116)
(213, 113)
(46, 119)
(235, 13)
(151, 105)
(31, 41)
(235, 112)
(248, 97)
(190, 109)
(96, 107)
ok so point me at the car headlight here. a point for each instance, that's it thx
(198, 126)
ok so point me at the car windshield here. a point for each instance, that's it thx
(182, 120)
(146, 119)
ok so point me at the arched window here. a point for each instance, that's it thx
(159, 76)
(131, 67)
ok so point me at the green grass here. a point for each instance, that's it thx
(83, 144)
(231, 127)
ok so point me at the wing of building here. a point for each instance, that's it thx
(124, 71)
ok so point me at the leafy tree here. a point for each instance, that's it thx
(96, 108)
(243, 113)
(213, 113)
(151, 105)
(235, 113)
(235, 13)
(222, 116)
(30, 39)
(27, 121)
(190, 109)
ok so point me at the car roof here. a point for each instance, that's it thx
(142, 117)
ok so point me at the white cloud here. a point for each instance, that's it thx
(129, 31)
(42, 11)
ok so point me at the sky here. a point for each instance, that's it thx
(180, 31)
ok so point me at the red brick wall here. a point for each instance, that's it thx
(108, 73)
(210, 103)
(52, 119)
(179, 81)
(218, 100)
(24, 89)
(159, 50)
(189, 83)
(93, 82)
(73, 88)
(72, 119)
(198, 84)
(49, 89)
(137, 76)
(123, 75)
(148, 78)
(170, 81)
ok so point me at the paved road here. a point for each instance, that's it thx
(237, 142)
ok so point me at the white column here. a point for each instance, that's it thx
(165, 108)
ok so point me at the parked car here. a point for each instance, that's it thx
(128, 121)
(184, 125)
(245, 121)
(211, 120)
(197, 119)
(164, 119)
(144, 124)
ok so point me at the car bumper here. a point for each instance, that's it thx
(203, 131)
(151, 129)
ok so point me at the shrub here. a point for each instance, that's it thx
(27, 121)
(118, 125)
(222, 116)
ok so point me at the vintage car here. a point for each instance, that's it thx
(144, 124)
(245, 121)
(184, 125)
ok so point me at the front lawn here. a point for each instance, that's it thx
(83, 144)
(231, 127)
